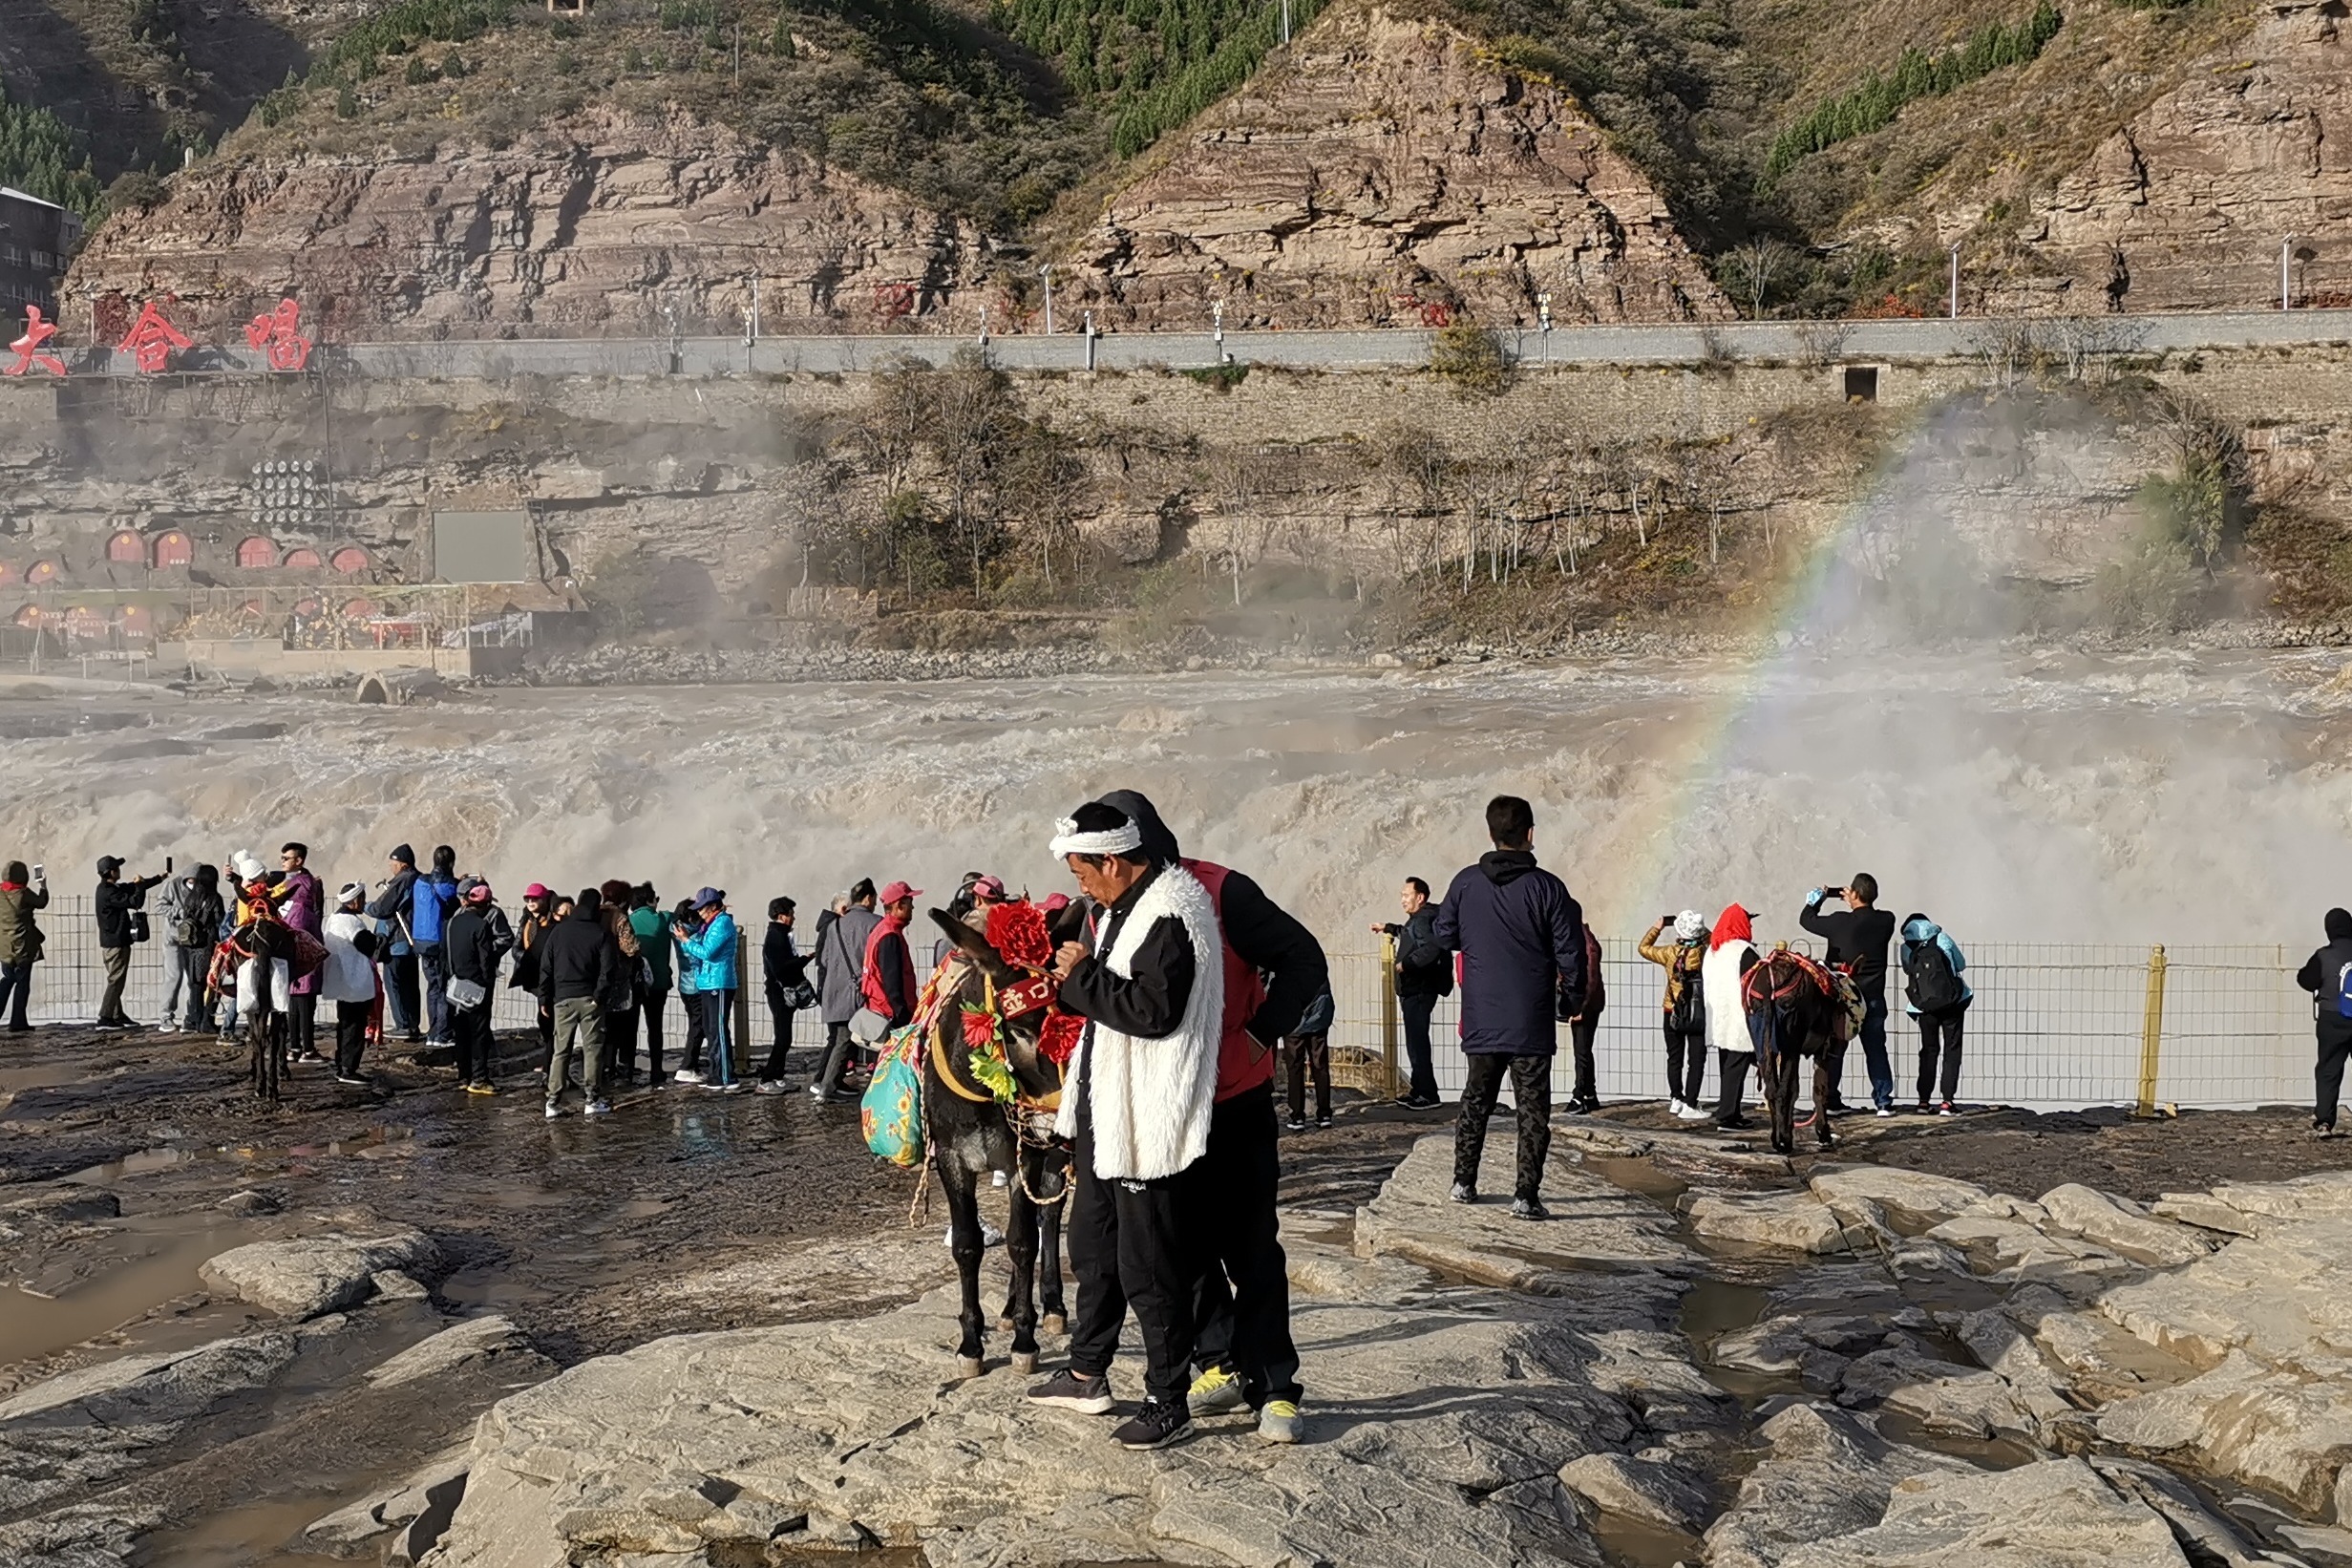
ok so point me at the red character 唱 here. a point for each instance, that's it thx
(276, 331)
(29, 346)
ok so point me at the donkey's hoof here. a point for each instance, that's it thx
(1053, 1323)
(968, 1367)
(1025, 1362)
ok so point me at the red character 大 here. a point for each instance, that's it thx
(152, 339)
(276, 331)
(29, 346)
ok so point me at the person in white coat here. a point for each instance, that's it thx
(1731, 952)
(348, 979)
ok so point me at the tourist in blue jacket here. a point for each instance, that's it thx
(1521, 938)
(711, 948)
(432, 899)
(1935, 995)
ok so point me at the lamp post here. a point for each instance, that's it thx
(2286, 287)
(1047, 272)
(1954, 296)
(1216, 322)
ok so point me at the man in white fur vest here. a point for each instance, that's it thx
(1137, 1104)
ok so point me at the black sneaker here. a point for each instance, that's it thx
(1420, 1102)
(1464, 1193)
(1529, 1208)
(1296, 1124)
(1158, 1424)
(352, 1078)
(1069, 1390)
(1323, 1120)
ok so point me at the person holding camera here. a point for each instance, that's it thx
(122, 920)
(21, 893)
(1858, 936)
(1686, 1008)
(785, 969)
(1424, 973)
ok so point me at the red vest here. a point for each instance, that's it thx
(1242, 1063)
(870, 977)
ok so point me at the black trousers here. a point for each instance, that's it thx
(653, 1002)
(690, 1053)
(1939, 1034)
(303, 1024)
(1531, 1088)
(2328, 1079)
(1581, 1037)
(1130, 1246)
(1686, 1064)
(1242, 1319)
(1304, 1054)
(781, 1016)
(1416, 1010)
(351, 1036)
(1733, 1066)
(477, 1053)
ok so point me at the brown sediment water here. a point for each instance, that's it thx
(1635, 1543)
(101, 1285)
(249, 1535)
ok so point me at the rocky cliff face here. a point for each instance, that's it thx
(2187, 206)
(601, 223)
(1389, 172)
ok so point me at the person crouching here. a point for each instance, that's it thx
(1143, 1084)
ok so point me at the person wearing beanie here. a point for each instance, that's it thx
(21, 893)
(120, 924)
(1684, 1008)
(348, 980)
(396, 895)
(475, 938)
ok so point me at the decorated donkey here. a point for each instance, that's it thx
(1796, 1008)
(993, 1046)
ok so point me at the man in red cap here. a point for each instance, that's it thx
(888, 983)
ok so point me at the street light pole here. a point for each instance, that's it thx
(1285, 21)
(1047, 272)
(1954, 300)
(2286, 291)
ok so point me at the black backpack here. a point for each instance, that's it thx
(1688, 1014)
(1929, 979)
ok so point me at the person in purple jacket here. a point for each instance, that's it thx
(302, 903)
(1521, 938)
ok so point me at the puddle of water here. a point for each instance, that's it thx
(1639, 1175)
(254, 1535)
(15, 1080)
(141, 1163)
(1641, 1546)
(1984, 1453)
(118, 1290)
(1714, 1307)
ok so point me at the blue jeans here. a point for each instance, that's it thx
(718, 1012)
(1875, 1051)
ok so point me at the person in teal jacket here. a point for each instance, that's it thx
(712, 952)
(651, 923)
(1937, 998)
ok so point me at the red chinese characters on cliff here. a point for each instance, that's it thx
(152, 339)
(277, 333)
(27, 348)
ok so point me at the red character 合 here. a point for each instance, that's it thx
(152, 339)
(277, 332)
(29, 346)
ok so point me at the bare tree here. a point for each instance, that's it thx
(1755, 264)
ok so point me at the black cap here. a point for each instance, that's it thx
(109, 862)
(406, 855)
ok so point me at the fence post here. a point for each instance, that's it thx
(1387, 1014)
(742, 1021)
(2152, 1031)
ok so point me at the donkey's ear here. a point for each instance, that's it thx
(1067, 924)
(973, 944)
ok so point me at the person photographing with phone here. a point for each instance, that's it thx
(122, 923)
(1858, 936)
(21, 893)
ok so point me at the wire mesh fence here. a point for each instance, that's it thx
(2052, 1026)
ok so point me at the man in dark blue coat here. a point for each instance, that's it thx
(1521, 938)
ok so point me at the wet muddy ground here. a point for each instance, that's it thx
(686, 1210)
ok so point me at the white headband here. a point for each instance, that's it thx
(1069, 841)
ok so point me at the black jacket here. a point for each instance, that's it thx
(1423, 967)
(577, 957)
(780, 961)
(114, 901)
(1860, 936)
(1260, 932)
(1147, 1003)
(2323, 975)
(392, 903)
(472, 942)
(1521, 938)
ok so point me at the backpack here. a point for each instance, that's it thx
(1929, 979)
(1688, 1014)
(2343, 990)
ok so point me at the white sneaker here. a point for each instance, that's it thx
(1690, 1113)
(1884, 1112)
(996, 1179)
(167, 1028)
(686, 1075)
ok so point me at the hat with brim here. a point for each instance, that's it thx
(898, 891)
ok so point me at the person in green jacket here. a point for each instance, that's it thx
(21, 893)
(651, 923)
